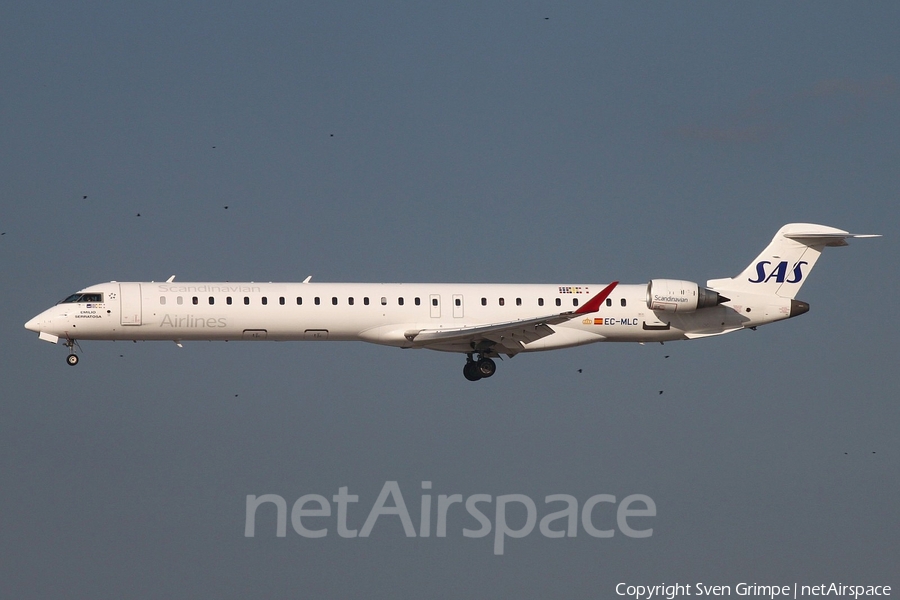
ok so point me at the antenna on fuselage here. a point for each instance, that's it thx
(307, 279)
(170, 279)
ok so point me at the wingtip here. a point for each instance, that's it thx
(593, 305)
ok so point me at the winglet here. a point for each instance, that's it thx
(593, 305)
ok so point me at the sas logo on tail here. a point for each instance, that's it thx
(779, 272)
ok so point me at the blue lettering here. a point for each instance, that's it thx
(778, 272)
(797, 274)
(760, 271)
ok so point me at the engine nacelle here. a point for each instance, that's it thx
(675, 295)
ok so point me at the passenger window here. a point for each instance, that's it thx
(281, 300)
(265, 300)
(540, 301)
(350, 300)
(558, 302)
(400, 301)
(246, 299)
(228, 300)
(574, 301)
(609, 301)
(212, 300)
(383, 301)
(418, 301)
(195, 300)
(299, 300)
(179, 300)
(316, 301)
(434, 302)
(623, 301)
(518, 302)
(484, 301)
(366, 300)
(162, 299)
(457, 302)
(502, 302)
(334, 300)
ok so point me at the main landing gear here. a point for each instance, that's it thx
(478, 369)
(72, 358)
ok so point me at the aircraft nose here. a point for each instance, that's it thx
(33, 325)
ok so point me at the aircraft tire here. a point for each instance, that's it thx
(72, 359)
(486, 367)
(471, 372)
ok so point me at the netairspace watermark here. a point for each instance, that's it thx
(752, 590)
(597, 512)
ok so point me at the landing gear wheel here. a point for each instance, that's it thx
(470, 371)
(71, 359)
(486, 367)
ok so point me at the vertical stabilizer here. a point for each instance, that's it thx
(782, 267)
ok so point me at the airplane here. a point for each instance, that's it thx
(482, 321)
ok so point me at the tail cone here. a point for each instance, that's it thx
(798, 308)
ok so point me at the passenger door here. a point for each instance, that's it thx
(130, 303)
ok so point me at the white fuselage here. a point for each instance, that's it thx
(484, 321)
(382, 313)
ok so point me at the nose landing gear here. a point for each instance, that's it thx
(478, 369)
(72, 358)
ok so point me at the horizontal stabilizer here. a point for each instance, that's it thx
(782, 267)
(827, 239)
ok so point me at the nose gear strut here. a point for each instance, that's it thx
(72, 358)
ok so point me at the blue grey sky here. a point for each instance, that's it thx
(472, 142)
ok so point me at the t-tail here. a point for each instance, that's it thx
(782, 267)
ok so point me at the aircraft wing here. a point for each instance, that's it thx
(508, 337)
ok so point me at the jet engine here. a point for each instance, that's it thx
(675, 295)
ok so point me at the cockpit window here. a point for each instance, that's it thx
(83, 297)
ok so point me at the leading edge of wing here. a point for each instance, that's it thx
(517, 332)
